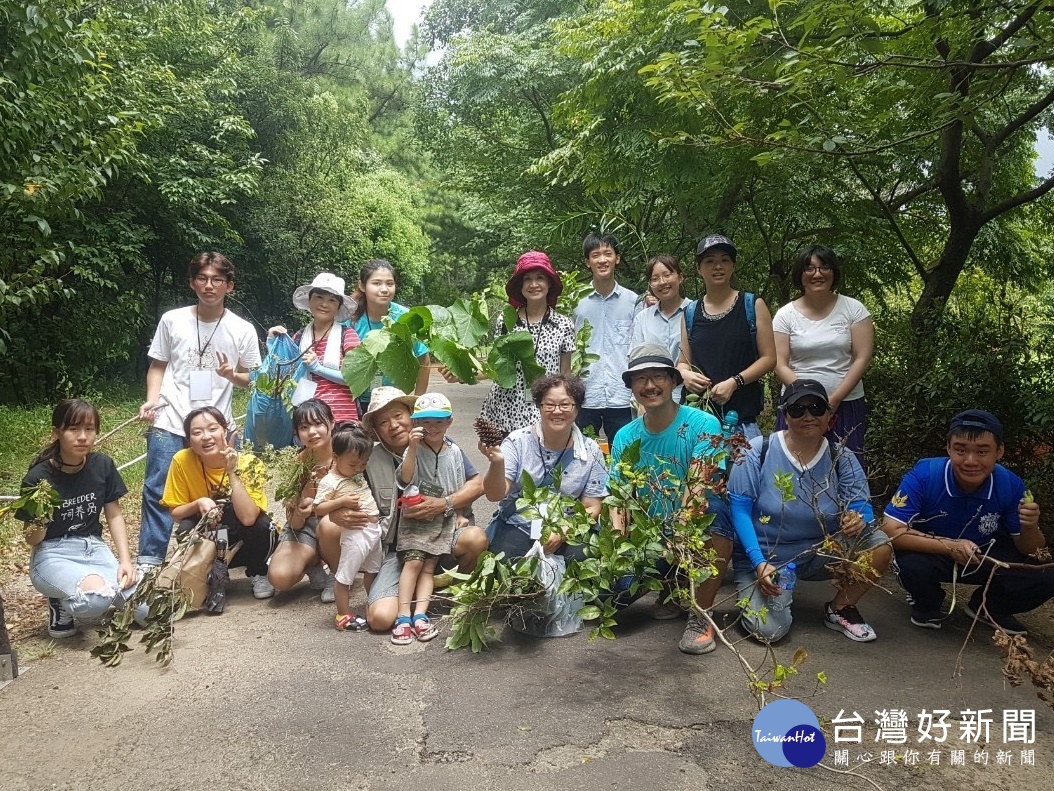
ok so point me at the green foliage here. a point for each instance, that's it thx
(988, 351)
(164, 606)
(495, 586)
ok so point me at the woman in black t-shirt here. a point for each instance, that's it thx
(71, 564)
(729, 346)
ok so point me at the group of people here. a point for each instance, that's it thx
(386, 492)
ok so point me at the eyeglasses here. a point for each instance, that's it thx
(814, 408)
(812, 270)
(204, 280)
(564, 406)
(661, 278)
(656, 377)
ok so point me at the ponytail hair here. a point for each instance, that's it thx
(67, 414)
(351, 437)
(359, 297)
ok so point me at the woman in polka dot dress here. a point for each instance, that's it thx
(533, 290)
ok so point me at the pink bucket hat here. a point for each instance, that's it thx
(529, 261)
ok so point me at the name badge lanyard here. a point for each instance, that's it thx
(206, 359)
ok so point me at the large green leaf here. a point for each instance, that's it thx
(508, 351)
(465, 321)
(455, 357)
(361, 364)
(398, 363)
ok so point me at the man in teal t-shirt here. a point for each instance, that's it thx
(671, 438)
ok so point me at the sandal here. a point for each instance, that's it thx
(402, 632)
(349, 622)
(424, 629)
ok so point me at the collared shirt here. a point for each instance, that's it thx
(930, 500)
(611, 319)
(651, 325)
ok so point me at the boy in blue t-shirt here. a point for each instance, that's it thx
(671, 438)
(949, 512)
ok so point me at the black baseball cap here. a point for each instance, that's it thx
(710, 242)
(800, 388)
(977, 420)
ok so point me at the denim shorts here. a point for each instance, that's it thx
(386, 583)
(305, 535)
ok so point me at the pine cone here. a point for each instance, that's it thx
(489, 434)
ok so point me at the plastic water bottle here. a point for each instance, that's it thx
(729, 423)
(788, 577)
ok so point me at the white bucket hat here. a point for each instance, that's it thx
(331, 284)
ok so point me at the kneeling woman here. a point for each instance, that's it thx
(71, 564)
(210, 474)
(554, 442)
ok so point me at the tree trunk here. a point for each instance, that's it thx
(940, 282)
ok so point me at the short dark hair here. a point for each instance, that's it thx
(211, 411)
(351, 437)
(217, 261)
(311, 412)
(574, 386)
(595, 239)
(972, 424)
(826, 255)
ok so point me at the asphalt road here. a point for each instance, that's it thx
(269, 696)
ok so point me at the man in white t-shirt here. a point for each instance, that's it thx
(198, 355)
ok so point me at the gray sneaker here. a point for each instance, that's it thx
(317, 577)
(327, 596)
(262, 589)
(698, 637)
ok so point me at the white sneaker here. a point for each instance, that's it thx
(262, 589)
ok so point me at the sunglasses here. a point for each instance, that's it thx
(814, 408)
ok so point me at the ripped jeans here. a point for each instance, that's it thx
(59, 564)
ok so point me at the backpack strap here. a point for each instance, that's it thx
(689, 315)
(752, 314)
(764, 450)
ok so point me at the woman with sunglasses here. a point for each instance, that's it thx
(828, 517)
(829, 337)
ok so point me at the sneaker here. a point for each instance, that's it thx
(327, 596)
(317, 577)
(262, 589)
(665, 611)
(927, 619)
(1004, 623)
(849, 622)
(60, 622)
(698, 637)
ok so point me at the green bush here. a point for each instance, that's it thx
(991, 354)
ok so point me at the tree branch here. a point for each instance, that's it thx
(1018, 200)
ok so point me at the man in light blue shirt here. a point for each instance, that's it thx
(609, 309)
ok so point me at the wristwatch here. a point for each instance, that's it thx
(449, 506)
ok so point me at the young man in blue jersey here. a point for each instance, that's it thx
(951, 512)
(672, 438)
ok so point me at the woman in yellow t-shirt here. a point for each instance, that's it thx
(209, 474)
